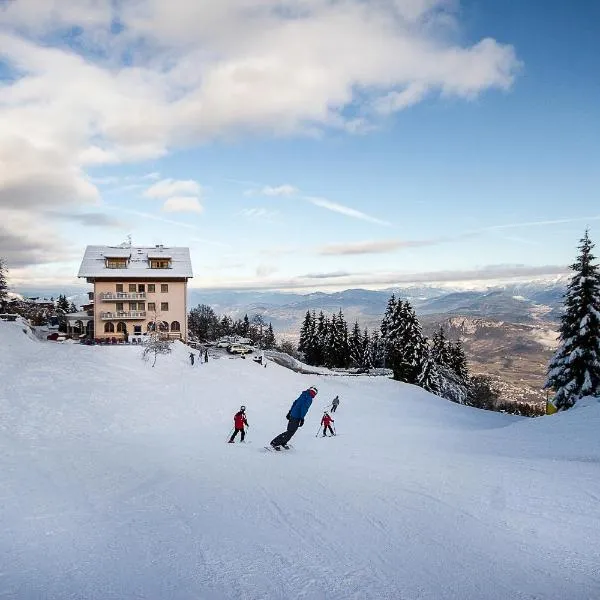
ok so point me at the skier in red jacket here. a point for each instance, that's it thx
(239, 420)
(326, 421)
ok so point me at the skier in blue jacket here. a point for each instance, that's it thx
(295, 418)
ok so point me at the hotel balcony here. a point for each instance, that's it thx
(120, 296)
(122, 315)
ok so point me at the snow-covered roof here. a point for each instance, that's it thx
(138, 266)
(117, 253)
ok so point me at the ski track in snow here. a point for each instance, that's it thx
(116, 483)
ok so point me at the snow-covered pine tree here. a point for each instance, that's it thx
(343, 352)
(458, 361)
(62, 304)
(306, 338)
(429, 378)
(387, 317)
(376, 351)
(355, 343)
(72, 308)
(329, 347)
(574, 370)
(245, 326)
(322, 333)
(440, 348)
(367, 362)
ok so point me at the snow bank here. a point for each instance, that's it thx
(116, 482)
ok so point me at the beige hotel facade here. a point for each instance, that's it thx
(138, 289)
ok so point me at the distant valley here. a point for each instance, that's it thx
(509, 330)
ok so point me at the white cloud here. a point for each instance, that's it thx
(197, 70)
(373, 247)
(258, 213)
(280, 190)
(182, 204)
(170, 187)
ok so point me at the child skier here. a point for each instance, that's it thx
(326, 421)
(295, 418)
(239, 420)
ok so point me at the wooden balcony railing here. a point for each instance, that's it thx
(121, 315)
(120, 296)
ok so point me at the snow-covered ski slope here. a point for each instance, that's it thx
(116, 483)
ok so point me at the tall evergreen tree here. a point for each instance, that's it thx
(306, 344)
(458, 361)
(321, 334)
(356, 347)
(574, 370)
(376, 351)
(226, 326)
(269, 341)
(62, 304)
(245, 326)
(440, 348)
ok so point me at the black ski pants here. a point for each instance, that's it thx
(236, 432)
(334, 408)
(286, 436)
(325, 428)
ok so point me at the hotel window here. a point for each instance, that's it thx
(119, 307)
(151, 306)
(164, 287)
(151, 288)
(119, 287)
(141, 288)
(164, 306)
(160, 264)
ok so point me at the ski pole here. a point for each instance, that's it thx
(229, 436)
(318, 430)
(334, 431)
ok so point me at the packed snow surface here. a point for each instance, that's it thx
(116, 483)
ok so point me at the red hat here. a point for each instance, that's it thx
(313, 391)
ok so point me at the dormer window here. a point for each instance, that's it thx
(163, 263)
(116, 263)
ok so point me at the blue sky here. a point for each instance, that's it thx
(318, 148)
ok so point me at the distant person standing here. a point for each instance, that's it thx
(239, 420)
(326, 421)
(295, 418)
(192, 356)
(206, 356)
(335, 404)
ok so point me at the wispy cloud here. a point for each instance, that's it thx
(92, 219)
(373, 247)
(541, 223)
(268, 190)
(330, 275)
(151, 217)
(167, 188)
(182, 204)
(262, 214)
(344, 210)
